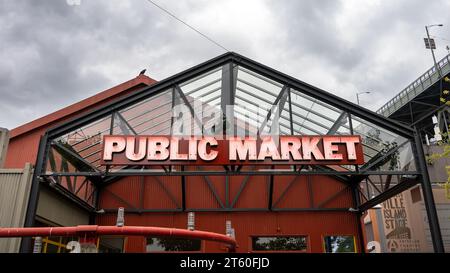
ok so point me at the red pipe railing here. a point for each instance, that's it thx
(92, 230)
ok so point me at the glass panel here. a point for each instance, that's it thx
(184, 123)
(394, 158)
(339, 244)
(87, 141)
(278, 121)
(163, 244)
(204, 94)
(280, 243)
(149, 117)
(376, 184)
(254, 97)
(78, 185)
(313, 117)
(257, 82)
(374, 137)
(142, 118)
(379, 142)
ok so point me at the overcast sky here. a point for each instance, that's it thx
(54, 53)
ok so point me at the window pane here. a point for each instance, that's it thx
(278, 243)
(172, 244)
(339, 244)
(110, 245)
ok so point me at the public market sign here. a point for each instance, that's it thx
(208, 150)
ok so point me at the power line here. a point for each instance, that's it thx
(186, 24)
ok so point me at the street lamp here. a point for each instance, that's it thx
(360, 93)
(431, 45)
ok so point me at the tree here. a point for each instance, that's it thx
(445, 142)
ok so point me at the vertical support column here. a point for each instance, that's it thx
(356, 194)
(183, 191)
(358, 215)
(433, 220)
(229, 78)
(227, 191)
(39, 167)
(111, 132)
(291, 122)
(350, 123)
(270, 194)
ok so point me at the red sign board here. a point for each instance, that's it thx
(208, 150)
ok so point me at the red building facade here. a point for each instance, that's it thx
(295, 207)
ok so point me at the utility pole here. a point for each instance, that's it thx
(360, 93)
(431, 45)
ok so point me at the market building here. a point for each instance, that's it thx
(308, 191)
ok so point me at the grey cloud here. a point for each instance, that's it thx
(54, 54)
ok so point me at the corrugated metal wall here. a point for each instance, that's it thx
(23, 149)
(15, 187)
(153, 193)
(246, 224)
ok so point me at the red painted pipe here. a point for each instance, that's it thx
(114, 230)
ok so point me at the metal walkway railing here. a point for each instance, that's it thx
(415, 88)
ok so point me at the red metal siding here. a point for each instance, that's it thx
(254, 194)
(157, 193)
(313, 224)
(23, 149)
(296, 196)
(325, 187)
(247, 224)
(156, 197)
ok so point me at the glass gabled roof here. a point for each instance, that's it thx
(266, 103)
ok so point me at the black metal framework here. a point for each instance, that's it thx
(293, 107)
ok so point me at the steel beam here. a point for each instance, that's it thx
(285, 191)
(140, 211)
(33, 199)
(241, 188)
(324, 96)
(337, 123)
(399, 188)
(183, 191)
(430, 206)
(73, 157)
(358, 215)
(213, 190)
(311, 209)
(229, 78)
(169, 194)
(374, 161)
(270, 194)
(221, 173)
(283, 95)
(188, 104)
(127, 125)
(330, 198)
(290, 112)
(128, 204)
